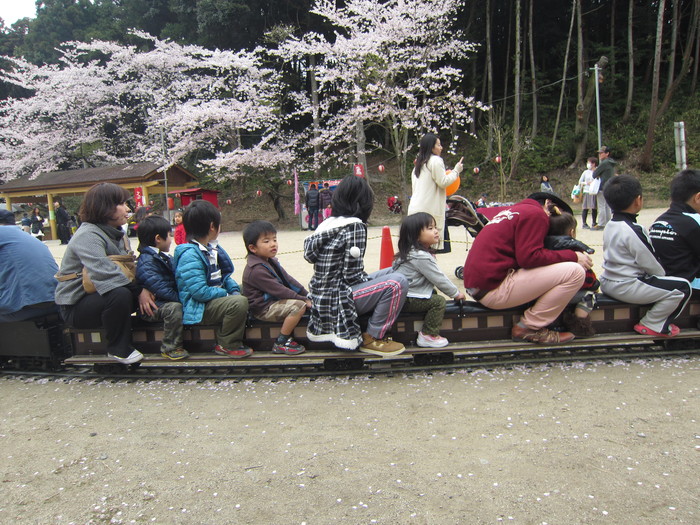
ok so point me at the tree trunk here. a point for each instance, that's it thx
(646, 159)
(694, 84)
(399, 140)
(585, 113)
(276, 198)
(489, 80)
(630, 63)
(674, 44)
(515, 150)
(611, 84)
(361, 143)
(507, 67)
(582, 108)
(533, 73)
(563, 75)
(685, 62)
(579, 57)
(316, 120)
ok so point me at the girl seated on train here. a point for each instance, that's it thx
(562, 236)
(340, 289)
(415, 260)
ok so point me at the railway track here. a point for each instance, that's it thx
(314, 364)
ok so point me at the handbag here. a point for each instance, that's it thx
(594, 188)
(576, 194)
(126, 263)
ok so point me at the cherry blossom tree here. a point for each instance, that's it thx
(163, 104)
(385, 65)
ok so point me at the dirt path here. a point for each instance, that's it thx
(595, 443)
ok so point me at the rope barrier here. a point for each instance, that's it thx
(596, 246)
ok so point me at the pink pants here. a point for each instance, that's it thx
(552, 286)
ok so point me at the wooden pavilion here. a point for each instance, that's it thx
(143, 179)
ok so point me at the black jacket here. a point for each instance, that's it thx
(312, 198)
(675, 236)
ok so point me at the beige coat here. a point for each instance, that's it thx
(429, 191)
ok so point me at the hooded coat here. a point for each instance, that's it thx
(333, 314)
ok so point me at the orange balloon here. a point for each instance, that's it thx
(452, 188)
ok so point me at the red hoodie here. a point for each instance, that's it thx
(180, 234)
(513, 239)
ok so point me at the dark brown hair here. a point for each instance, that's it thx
(101, 201)
(561, 224)
(425, 151)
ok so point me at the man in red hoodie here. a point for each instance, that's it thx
(508, 266)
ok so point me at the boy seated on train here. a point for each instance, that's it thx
(273, 295)
(676, 233)
(154, 271)
(631, 272)
(208, 292)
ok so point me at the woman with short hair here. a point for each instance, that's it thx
(103, 212)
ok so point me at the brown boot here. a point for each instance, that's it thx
(382, 347)
(579, 326)
(540, 336)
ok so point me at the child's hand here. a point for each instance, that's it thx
(308, 303)
(460, 297)
(147, 302)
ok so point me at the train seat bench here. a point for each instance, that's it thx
(468, 321)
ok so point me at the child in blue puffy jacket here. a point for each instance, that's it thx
(203, 271)
(154, 271)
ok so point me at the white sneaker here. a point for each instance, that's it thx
(134, 357)
(431, 341)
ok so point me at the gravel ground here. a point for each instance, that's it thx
(584, 443)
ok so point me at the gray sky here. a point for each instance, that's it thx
(13, 10)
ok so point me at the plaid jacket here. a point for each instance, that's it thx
(333, 314)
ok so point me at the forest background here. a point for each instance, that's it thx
(243, 93)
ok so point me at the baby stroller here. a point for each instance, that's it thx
(461, 212)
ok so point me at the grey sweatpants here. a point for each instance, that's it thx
(383, 295)
(669, 295)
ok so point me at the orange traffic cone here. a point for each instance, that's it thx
(386, 255)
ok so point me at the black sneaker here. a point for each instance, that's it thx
(290, 347)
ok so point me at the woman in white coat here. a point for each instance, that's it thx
(429, 180)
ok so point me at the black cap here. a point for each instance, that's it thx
(542, 196)
(604, 149)
(7, 217)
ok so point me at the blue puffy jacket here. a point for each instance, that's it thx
(157, 275)
(193, 277)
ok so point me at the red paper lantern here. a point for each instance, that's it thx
(381, 168)
(476, 170)
(228, 201)
(258, 193)
(289, 182)
(497, 160)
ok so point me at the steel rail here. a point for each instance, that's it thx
(362, 366)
